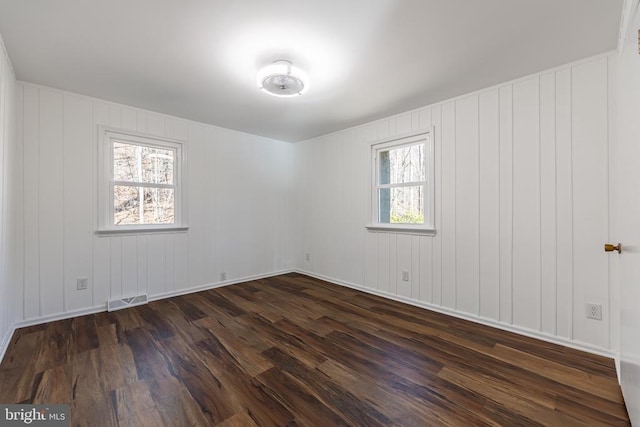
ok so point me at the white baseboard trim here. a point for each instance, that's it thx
(466, 316)
(4, 344)
(578, 345)
(218, 285)
(60, 316)
(103, 307)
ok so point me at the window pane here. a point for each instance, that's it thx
(401, 205)
(126, 205)
(138, 163)
(400, 165)
(142, 205)
(158, 206)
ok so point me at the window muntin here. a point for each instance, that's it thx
(140, 182)
(403, 184)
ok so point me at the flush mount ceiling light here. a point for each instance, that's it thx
(282, 79)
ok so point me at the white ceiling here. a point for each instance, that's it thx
(366, 59)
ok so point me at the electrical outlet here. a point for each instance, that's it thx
(594, 311)
(405, 275)
(223, 275)
(307, 257)
(82, 283)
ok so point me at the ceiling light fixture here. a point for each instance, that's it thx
(282, 79)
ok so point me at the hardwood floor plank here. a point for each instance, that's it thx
(206, 389)
(245, 357)
(330, 394)
(16, 384)
(292, 350)
(299, 399)
(590, 415)
(55, 385)
(24, 347)
(400, 381)
(292, 343)
(90, 404)
(119, 362)
(131, 399)
(532, 410)
(149, 417)
(244, 334)
(251, 303)
(57, 345)
(150, 362)
(367, 389)
(218, 300)
(238, 420)
(85, 333)
(181, 325)
(152, 321)
(453, 352)
(562, 374)
(178, 408)
(250, 395)
(188, 310)
(107, 334)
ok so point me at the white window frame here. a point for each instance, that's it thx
(429, 186)
(107, 136)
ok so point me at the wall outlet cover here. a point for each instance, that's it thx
(82, 283)
(594, 311)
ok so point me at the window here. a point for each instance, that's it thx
(140, 183)
(403, 184)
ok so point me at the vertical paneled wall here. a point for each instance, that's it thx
(8, 236)
(521, 206)
(239, 207)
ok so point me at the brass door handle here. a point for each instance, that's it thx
(608, 247)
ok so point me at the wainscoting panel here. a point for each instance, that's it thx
(489, 200)
(467, 209)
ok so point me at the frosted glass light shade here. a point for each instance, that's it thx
(282, 79)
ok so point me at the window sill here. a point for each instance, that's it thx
(141, 231)
(401, 230)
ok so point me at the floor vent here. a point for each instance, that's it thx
(119, 304)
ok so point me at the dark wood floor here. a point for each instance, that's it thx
(292, 350)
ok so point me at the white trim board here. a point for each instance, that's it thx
(103, 307)
(3, 49)
(629, 9)
(476, 319)
(156, 297)
(4, 344)
(219, 285)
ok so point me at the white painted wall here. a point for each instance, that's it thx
(521, 215)
(8, 194)
(239, 197)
